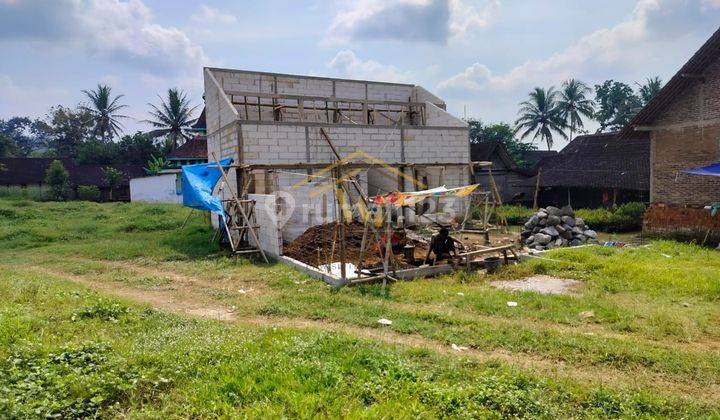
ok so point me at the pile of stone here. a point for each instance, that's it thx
(554, 227)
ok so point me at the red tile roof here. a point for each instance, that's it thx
(599, 161)
(195, 148)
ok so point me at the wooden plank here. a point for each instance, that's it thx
(486, 251)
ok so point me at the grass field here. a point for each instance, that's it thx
(109, 310)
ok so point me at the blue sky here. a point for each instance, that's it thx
(482, 56)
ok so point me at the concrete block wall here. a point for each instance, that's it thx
(266, 216)
(437, 117)
(218, 109)
(420, 94)
(426, 145)
(242, 81)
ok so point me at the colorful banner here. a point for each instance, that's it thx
(413, 197)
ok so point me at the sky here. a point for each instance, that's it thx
(481, 56)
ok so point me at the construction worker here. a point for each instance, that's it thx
(443, 246)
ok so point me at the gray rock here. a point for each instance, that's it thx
(542, 222)
(576, 230)
(581, 237)
(539, 247)
(550, 245)
(559, 242)
(569, 220)
(553, 220)
(531, 222)
(552, 211)
(590, 233)
(579, 222)
(541, 215)
(560, 228)
(536, 229)
(567, 211)
(542, 238)
(567, 235)
(550, 230)
(530, 240)
(565, 242)
(575, 242)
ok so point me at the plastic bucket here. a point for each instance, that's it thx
(492, 264)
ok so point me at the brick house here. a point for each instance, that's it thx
(682, 123)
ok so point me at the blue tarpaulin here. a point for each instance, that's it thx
(710, 170)
(198, 182)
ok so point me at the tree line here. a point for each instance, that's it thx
(549, 113)
(92, 132)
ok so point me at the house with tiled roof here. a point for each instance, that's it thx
(596, 170)
(515, 184)
(189, 153)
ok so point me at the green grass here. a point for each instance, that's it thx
(651, 349)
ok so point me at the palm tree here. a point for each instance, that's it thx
(651, 87)
(574, 104)
(103, 111)
(172, 118)
(542, 115)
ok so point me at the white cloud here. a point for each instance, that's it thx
(347, 64)
(410, 20)
(465, 17)
(121, 30)
(637, 41)
(210, 16)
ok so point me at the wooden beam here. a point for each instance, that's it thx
(349, 165)
(319, 98)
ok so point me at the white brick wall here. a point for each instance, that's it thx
(266, 217)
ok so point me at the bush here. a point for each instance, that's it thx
(31, 192)
(624, 218)
(58, 179)
(515, 215)
(88, 193)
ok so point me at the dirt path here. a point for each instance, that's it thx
(185, 302)
(599, 331)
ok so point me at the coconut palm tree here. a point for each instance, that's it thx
(172, 118)
(574, 104)
(540, 115)
(651, 87)
(103, 110)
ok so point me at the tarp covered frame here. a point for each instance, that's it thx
(198, 182)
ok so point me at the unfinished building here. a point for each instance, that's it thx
(282, 131)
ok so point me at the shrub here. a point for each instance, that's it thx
(30, 192)
(88, 193)
(58, 179)
(624, 218)
(515, 215)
